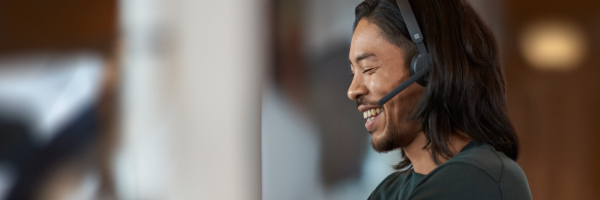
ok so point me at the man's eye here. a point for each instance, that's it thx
(370, 70)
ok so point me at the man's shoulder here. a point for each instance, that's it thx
(395, 178)
(477, 172)
(480, 156)
(458, 180)
(393, 186)
(485, 158)
(474, 173)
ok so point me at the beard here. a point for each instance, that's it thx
(398, 135)
(398, 132)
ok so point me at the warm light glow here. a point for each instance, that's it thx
(553, 45)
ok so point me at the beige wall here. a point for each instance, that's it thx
(191, 99)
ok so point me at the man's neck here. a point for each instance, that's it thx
(421, 158)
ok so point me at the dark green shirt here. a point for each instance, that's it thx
(477, 172)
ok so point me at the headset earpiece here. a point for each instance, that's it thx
(418, 63)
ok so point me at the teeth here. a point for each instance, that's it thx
(369, 114)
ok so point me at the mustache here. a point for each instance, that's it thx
(366, 102)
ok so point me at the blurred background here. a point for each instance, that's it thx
(230, 99)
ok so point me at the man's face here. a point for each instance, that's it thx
(379, 67)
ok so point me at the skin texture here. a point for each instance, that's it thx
(378, 67)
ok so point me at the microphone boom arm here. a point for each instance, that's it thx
(403, 86)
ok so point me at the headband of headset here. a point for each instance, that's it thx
(420, 63)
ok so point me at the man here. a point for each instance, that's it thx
(454, 133)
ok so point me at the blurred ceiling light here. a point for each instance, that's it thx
(553, 45)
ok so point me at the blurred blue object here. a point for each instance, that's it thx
(47, 115)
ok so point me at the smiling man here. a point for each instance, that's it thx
(452, 126)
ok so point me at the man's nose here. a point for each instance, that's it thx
(357, 89)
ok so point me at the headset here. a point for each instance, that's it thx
(419, 65)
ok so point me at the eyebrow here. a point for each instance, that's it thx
(362, 57)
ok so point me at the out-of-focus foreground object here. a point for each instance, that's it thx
(50, 125)
(57, 98)
(131, 99)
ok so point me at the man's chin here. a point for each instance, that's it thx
(382, 142)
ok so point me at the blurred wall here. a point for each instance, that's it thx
(191, 99)
(33, 25)
(555, 106)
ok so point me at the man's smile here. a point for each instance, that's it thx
(371, 113)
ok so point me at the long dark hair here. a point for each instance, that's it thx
(466, 89)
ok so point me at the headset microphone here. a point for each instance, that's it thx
(419, 65)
